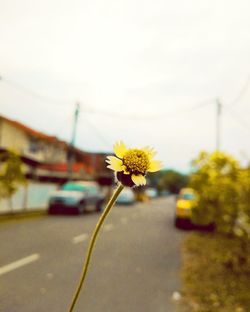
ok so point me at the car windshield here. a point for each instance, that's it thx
(187, 196)
(74, 187)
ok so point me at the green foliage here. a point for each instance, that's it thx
(242, 227)
(11, 174)
(154, 178)
(217, 182)
(219, 261)
(209, 282)
(223, 197)
(172, 181)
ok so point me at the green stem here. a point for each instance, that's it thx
(92, 243)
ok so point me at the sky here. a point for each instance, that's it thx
(148, 72)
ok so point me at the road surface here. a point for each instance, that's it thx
(135, 266)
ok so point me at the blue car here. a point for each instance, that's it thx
(76, 198)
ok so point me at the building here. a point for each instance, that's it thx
(46, 158)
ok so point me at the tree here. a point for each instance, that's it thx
(11, 174)
(216, 181)
(242, 227)
(223, 197)
(172, 181)
(154, 178)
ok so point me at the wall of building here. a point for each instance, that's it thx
(12, 137)
(53, 153)
(33, 196)
(44, 151)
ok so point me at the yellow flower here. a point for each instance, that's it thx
(131, 165)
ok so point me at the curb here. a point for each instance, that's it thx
(15, 216)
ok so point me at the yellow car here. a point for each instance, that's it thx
(184, 206)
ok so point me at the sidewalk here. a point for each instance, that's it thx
(24, 214)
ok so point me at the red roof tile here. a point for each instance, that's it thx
(63, 167)
(33, 132)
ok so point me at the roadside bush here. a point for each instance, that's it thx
(223, 197)
(11, 174)
(242, 228)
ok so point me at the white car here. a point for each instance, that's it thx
(151, 192)
(126, 197)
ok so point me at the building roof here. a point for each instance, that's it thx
(90, 159)
(34, 133)
(63, 167)
(49, 138)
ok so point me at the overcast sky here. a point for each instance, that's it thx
(150, 70)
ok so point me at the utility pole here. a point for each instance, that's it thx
(218, 124)
(76, 114)
(72, 142)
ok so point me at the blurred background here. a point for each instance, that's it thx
(144, 72)
(78, 76)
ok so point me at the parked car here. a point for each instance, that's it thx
(165, 193)
(76, 198)
(127, 197)
(151, 192)
(184, 206)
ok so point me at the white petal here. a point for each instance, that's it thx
(138, 179)
(114, 163)
(120, 149)
(150, 151)
(155, 165)
(109, 158)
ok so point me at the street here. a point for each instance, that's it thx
(135, 265)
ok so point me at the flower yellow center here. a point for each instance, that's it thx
(136, 161)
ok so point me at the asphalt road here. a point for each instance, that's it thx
(135, 266)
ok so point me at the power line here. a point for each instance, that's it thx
(148, 117)
(238, 119)
(191, 109)
(32, 93)
(67, 120)
(241, 93)
(101, 137)
(91, 110)
(132, 116)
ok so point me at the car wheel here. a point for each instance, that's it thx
(51, 211)
(99, 206)
(177, 222)
(81, 208)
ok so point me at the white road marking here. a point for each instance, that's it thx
(108, 227)
(176, 296)
(19, 263)
(80, 238)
